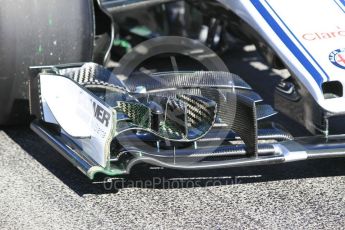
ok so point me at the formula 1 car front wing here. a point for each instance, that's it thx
(179, 120)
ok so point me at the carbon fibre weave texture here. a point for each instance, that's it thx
(179, 80)
(191, 102)
(180, 120)
(93, 74)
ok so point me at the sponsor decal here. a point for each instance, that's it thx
(337, 57)
(101, 115)
(317, 36)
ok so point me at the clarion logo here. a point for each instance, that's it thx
(338, 33)
(100, 114)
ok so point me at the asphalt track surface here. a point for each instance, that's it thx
(39, 189)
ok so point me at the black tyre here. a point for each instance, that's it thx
(39, 32)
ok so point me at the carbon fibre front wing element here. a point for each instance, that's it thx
(180, 120)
